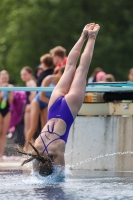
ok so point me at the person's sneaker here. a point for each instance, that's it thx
(9, 135)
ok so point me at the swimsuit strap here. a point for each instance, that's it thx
(51, 132)
(45, 147)
(48, 145)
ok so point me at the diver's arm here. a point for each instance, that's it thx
(75, 51)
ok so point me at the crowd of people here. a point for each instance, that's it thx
(31, 106)
(99, 75)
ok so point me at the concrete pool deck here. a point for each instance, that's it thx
(95, 144)
(11, 162)
(101, 144)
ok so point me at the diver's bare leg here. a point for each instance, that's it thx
(65, 82)
(76, 93)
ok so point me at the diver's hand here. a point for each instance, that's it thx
(93, 30)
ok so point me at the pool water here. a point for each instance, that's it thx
(78, 185)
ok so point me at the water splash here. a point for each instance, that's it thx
(58, 175)
(88, 160)
(60, 172)
(66, 154)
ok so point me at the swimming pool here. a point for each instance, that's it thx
(78, 185)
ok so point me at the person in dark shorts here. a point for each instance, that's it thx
(39, 106)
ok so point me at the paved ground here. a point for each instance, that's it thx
(10, 165)
(10, 150)
(11, 159)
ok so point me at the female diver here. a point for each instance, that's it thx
(64, 104)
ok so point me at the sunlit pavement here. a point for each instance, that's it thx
(11, 159)
(8, 162)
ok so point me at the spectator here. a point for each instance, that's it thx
(40, 103)
(109, 78)
(94, 73)
(27, 76)
(38, 71)
(100, 76)
(130, 75)
(59, 57)
(6, 98)
(17, 111)
(47, 67)
(130, 79)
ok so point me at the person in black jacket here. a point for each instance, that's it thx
(47, 66)
(38, 71)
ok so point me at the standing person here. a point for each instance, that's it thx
(130, 75)
(100, 76)
(6, 98)
(47, 67)
(109, 78)
(94, 73)
(39, 106)
(64, 104)
(27, 76)
(38, 71)
(43, 97)
(130, 79)
(59, 57)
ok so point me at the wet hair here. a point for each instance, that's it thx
(47, 60)
(58, 51)
(28, 69)
(43, 165)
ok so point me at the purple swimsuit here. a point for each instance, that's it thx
(60, 110)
